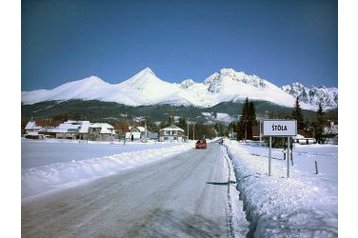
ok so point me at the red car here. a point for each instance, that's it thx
(201, 144)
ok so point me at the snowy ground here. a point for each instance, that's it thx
(305, 205)
(52, 165)
(191, 194)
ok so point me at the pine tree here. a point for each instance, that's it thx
(183, 125)
(247, 120)
(251, 114)
(297, 115)
(319, 125)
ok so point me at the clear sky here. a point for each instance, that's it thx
(282, 41)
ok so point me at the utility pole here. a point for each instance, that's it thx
(245, 130)
(187, 129)
(193, 130)
(260, 121)
(288, 157)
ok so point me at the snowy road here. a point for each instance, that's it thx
(182, 196)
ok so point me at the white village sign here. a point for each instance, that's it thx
(279, 128)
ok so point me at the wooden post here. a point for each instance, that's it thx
(292, 158)
(291, 148)
(316, 166)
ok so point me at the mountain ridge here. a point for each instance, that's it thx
(146, 88)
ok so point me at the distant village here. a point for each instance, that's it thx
(93, 131)
(177, 129)
(86, 130)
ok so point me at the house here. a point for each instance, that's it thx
(101, 131)
(136, 133)
(152, 135)
(67, 130)
(300, 139)
(83, 130)
(171, 133)
(32, 128)
(32, 131)
(97, 131)
(331, 129)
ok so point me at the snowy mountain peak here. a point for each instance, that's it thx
(145, 78)
(91, 80)
(313, 95)
(187, 83)
(147, 71)
(145, 88)
(227, 76)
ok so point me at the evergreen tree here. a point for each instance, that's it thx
(251, 114)
(183, 125)
(221, 129)
(247, 120)
(297, 115)
(204, 131)
(319, 125)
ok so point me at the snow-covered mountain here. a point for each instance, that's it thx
(145, 88)
(313, 95)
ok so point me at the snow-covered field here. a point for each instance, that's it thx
(304, 205)
(52, 165)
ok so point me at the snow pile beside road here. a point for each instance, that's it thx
(281, 207)
(41, 180)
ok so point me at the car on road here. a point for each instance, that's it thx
(201, 144)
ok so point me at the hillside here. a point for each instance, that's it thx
(95, 110)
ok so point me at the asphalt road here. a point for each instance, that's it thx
(183, 196)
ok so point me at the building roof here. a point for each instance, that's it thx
(105, 128)
(85, 127)
(172, 128)
(82, 127)
(66, 127)
(137, 128)
(31, 125)
(141, 128)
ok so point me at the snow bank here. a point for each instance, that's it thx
(41, 180)
(281, 207)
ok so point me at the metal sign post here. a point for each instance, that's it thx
(269, 167)
(279, 128)
(288, 157)
(260, 132)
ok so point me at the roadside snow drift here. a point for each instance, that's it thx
(300, 206)
(37, 181)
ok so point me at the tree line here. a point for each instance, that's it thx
(245, 128)
(248, 121)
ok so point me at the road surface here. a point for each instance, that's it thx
(183, 196)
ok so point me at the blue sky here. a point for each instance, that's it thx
(281, 41)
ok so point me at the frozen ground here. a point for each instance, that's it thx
(305, 205)
(37, 153)
(191, 194)
(168, 189)
(52, 165)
